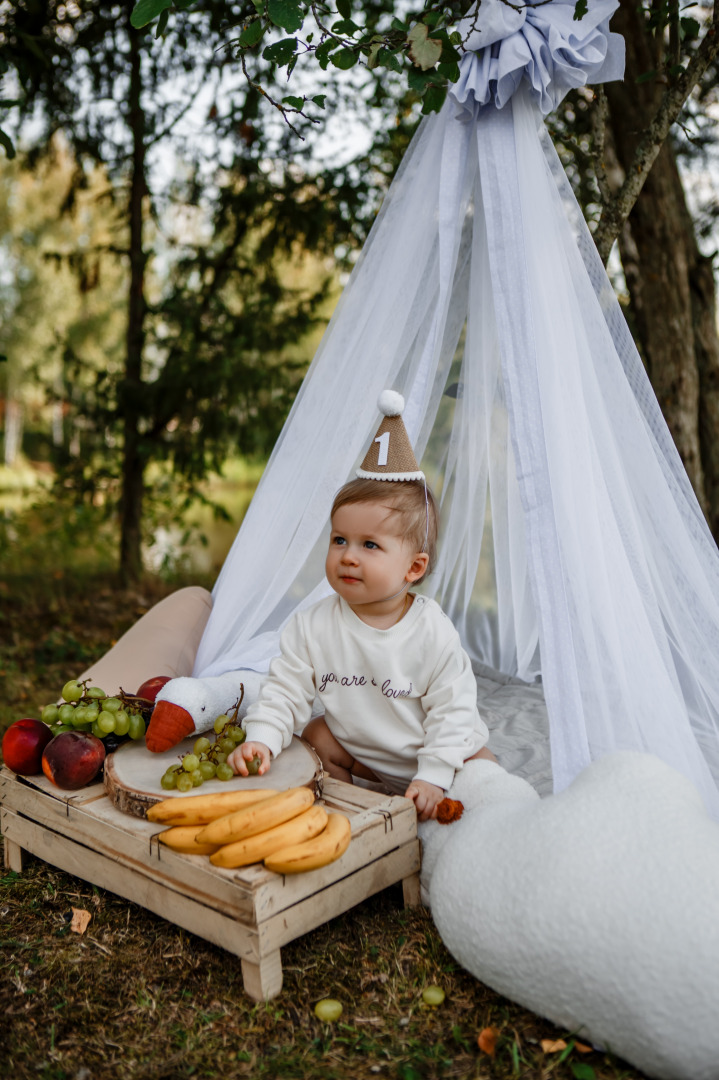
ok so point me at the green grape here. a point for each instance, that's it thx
(80, 713)
(226, 745)
(93, 711)
(202, 745)
(169, 780)
(97, 730)
(236, 734)
(197, 778)
(112, 704)
(208, 769)
(95, 692)
(328, 1010)
(49, 713)
(122, 722)
(58, 729)
(224, 771)
(190, 762)
(65, 713)
(219, 757)
(137, 726)
(253, 766)
(106, 722)
(433, 995)
(221, 723)
(72, 691)
(184, 782)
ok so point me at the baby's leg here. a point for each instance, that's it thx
(483, 753)
(335, 759)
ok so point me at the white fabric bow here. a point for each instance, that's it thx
(542, 43)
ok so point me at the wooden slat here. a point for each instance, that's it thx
(341, 896)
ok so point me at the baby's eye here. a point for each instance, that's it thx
(338, 540)
(370, 544)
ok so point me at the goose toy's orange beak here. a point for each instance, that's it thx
(169, 725)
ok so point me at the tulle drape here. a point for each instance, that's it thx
(572, 544)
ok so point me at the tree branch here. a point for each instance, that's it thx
(616, 212)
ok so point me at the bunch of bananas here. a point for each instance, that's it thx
(284, 829)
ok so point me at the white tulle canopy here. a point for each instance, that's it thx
(573, 548)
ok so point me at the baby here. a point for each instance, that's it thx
(399, 695)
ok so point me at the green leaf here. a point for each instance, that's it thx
(433, 99)
(424, 51)
(390, 60)
(319, 100)
(294, 102)
(344, 59)
(689, 28)
(582, 1071)
(646, 76)
(344, 8)
(281, 52)
(252, 34)
(259, 6)
(397, 24)
(285, 13)
(145, 11)
(432, 18)
(372, 56)
(162, 23)
(419, 80)
(449, 71)
(580, 9)
(7, 142)
(345, 26)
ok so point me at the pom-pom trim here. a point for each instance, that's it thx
(363, 474)
(390, 403)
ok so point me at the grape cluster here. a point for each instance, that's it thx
(208, 760)
(88, 708)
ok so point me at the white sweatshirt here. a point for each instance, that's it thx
(401, 701)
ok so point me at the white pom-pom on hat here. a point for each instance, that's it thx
(390, 403)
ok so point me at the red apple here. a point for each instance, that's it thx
(151, 687)
(73, 759)
(23, 744)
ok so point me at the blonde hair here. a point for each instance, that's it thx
(418, 513)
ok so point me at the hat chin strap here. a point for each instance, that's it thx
(398, 593)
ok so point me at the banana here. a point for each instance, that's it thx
(257, 818)
(325, 848)
(255, 848)
(202, 809)
(182, 838)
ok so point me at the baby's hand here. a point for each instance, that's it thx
(245, 752)
(426, 798)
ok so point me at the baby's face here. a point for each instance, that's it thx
(367, 561)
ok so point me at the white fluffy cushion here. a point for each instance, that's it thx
(597, 908)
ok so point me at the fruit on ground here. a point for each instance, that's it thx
(328, 1010)
(73, 759)
(151, 687)
(23, 744)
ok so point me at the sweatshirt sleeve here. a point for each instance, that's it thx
(453, 727)
(287, 695)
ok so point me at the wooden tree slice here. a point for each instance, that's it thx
(132, 774)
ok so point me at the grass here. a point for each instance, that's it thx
(135, 998)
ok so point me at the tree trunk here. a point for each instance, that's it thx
(130, 392)
(670, 283)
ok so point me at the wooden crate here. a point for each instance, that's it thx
(251, 911)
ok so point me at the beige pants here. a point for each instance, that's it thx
(163, 642)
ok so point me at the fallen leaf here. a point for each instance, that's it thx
(552, 1046)
(487, 1040)
(80, 920)
(583, 1048)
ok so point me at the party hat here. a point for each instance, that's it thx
(390, 455)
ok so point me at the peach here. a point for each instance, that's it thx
(73, 759)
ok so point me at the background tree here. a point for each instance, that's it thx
(211, 318)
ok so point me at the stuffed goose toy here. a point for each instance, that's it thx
(187, 706)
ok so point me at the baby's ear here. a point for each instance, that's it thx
(419, 566)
